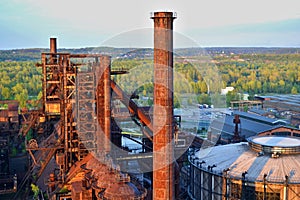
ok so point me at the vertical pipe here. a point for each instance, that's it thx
(44, 83)
(64, 110)
(53, 50)
(106, 60)
(226, 185)
(163, 167)
(103, 104)
(53, 46)
(265, 187)
(286, 188)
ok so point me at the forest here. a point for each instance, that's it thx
(20, 81)
(199, 76)
(261, 74)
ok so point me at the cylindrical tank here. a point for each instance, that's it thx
(265, 168)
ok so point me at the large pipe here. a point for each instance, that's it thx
(103, 104)
(53, 47)
(163, 129)
(132, 106)
(53, 50)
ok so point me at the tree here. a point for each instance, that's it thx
(203, 99)
(176, 102)
(5, 93)
(294, 90)
(22, 98)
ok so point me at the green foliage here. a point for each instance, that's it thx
(204, 99)
(14, 151)
(20, 81)
(150, 101)
(232, 96)
(294, 90)
(64, 190)
(35, 189)
(262, 73)
(247, 73)
(176, 102)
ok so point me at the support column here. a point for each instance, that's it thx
(163, 127)
(103, 104)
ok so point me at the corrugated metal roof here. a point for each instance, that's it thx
(258, 118)
(283, 101)
(248, 127)
(240, 158)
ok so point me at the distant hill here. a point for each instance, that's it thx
(34, 54)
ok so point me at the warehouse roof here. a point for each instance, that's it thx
(250, 124)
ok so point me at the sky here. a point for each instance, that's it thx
(121, 23)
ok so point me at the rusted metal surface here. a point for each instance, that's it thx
(108, 182)
(86, 120)
(132, 107)
(30, 119)
(104, 104)
(53, 45)
(236, 121)
(77, 95)
(68, 97)
(9, 118)
(163, 152)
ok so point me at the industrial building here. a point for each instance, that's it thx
(287, 106)
(9, 127)
(238, 125)
(265, 167)
(75, 150)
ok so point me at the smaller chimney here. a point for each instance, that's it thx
(53, 48)
(236, 121)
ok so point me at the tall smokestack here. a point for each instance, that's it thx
(163, 127)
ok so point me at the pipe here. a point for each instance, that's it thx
(132, 107)
(53, 50)
(104, 99)
(53, 47)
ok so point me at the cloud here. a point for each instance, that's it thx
(80, 22)
(280, 33)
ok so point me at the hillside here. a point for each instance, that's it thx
(34, 54)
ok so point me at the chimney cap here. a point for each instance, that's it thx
(160, 14)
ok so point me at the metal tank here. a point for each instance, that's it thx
(266, 167)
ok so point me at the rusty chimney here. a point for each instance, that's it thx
(53, 48)
(163, 126)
